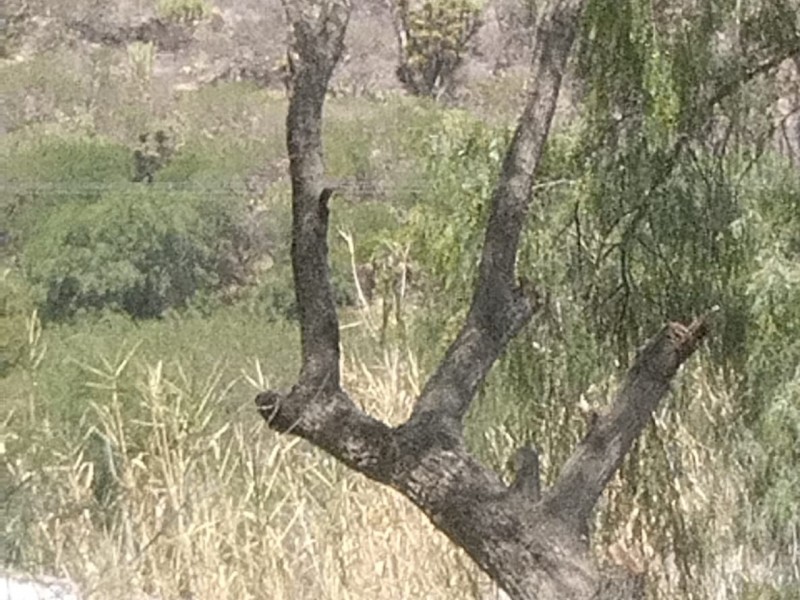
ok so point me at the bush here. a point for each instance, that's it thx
(58, 161)
(16, 306)
(91, 239)
(138, 250)
(184, 11)
(436, 37)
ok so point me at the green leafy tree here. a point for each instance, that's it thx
(433, 38)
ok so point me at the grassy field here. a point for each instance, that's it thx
(134, 463)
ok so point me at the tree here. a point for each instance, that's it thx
(533, 542)
(433, 38)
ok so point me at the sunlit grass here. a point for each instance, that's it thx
(169, 485)
(168, 489)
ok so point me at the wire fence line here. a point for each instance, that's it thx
(77, 188)
(357, 186)
(68, 188)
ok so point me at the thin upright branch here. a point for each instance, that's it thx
(317, 43)
(500, 306)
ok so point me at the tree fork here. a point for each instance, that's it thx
(532, 542)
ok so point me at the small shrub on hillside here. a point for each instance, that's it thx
(60, 163)
(16, 306)
(184, 11)
(153, 154)
(435, 38)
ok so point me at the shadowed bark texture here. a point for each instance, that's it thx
(533, 542)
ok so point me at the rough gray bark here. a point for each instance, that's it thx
(534, 543)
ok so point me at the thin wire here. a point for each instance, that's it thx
(231, 187)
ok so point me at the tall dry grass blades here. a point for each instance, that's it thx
(167, 488)
(168, 491)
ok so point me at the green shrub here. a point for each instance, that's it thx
(16, 307)
(461, 159)
(65, 160)
(217, 162)
(138, 250)
(184, 11)
(436, 38)
(770, 407)
(48, 172)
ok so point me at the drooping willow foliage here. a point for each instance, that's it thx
(665, 198)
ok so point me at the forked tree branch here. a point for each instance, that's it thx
(530, 543)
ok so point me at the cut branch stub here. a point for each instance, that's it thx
(597, 458)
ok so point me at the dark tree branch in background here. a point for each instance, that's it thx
(532, 543)
(527, 481)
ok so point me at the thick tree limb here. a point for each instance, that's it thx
(533, 547)
(597, 458)
(500, 307)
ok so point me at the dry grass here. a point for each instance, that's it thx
(174, 492)
(204, 501)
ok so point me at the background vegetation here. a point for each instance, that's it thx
(145, 296)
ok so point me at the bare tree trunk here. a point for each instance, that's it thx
(534, 544)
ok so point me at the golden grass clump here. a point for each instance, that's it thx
(170, 487)
(172, 492)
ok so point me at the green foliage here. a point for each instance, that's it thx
(66, 160)
(274, 298)
(92, 240)
(45, 172)
(16, 307)
(184, 11)
(135, 250)
(436, 38)
(771, 403)
(461, 158)
(663, 195)
(663, 67)
(675, 219)
(206, 162)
